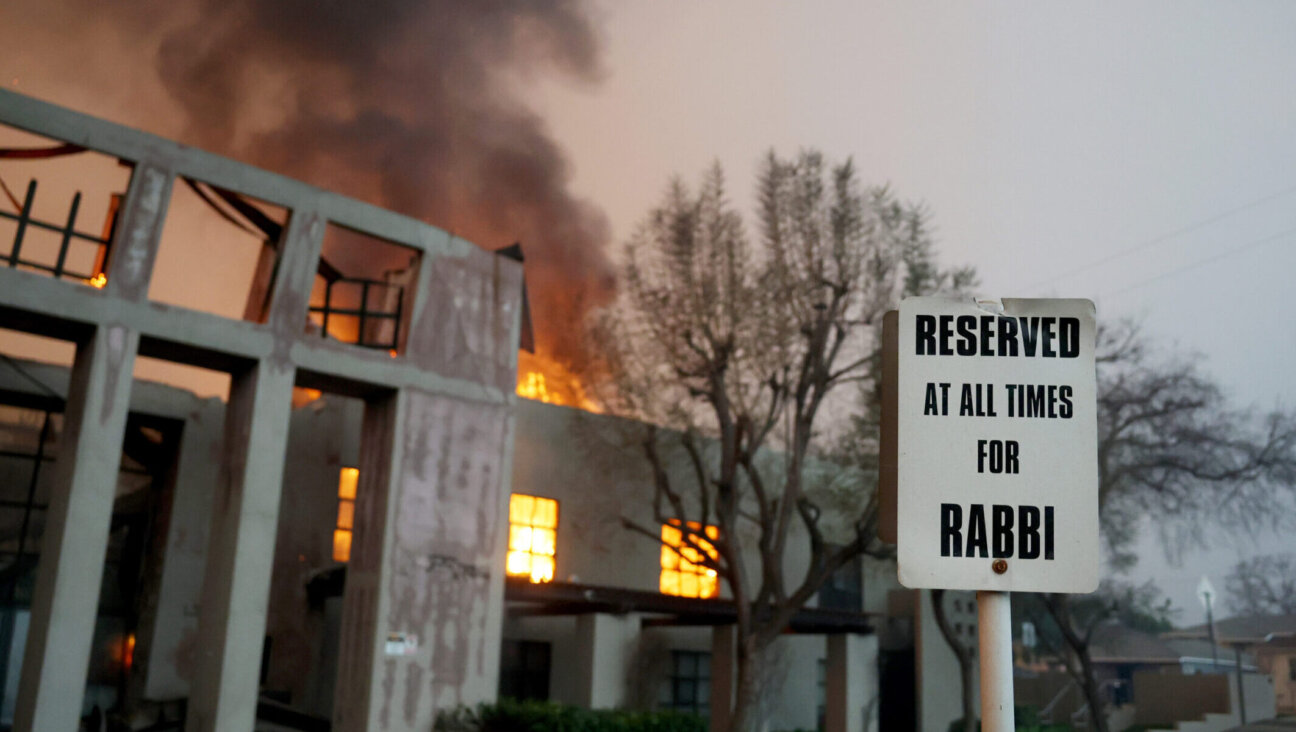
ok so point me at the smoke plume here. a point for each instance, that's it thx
(409, 104)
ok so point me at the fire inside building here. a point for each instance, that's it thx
(352, 521)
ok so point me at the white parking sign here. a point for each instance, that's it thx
(997, 461)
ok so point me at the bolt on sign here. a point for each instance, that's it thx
(997, 445)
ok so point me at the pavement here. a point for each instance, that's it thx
(1283, 724)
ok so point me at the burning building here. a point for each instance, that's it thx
(368, 525)
(421, 327)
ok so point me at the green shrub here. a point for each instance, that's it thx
(508, 715)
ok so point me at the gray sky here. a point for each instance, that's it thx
(1138, 154)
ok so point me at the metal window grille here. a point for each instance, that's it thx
(370, 332)
(688, 688)
(68, 235)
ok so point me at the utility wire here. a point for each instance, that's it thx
(9, 194)
(1206, 261)
(1162, 238)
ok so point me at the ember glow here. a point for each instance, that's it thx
(550, 382)
(532, 386)
(682, 570)
(348, 481)
(533, 537)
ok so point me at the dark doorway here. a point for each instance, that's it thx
(897, 690)
(524, 670)
(31, 433)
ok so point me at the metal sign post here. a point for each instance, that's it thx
(995, 459)
(994, 623)
(1206, 593)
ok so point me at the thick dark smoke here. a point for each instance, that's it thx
(405, 103)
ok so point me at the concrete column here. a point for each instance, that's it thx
(850, 683)
(179, 591)
(139, 231)
(240, 550)
(362, 639)
(603, 644)
(76, 533)
(298, 262)
(423, 606)
(724, 646)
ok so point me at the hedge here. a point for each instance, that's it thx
(508, 715)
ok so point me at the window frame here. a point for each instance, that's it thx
(346, 504)
(700, 679)
(532, 526)
(673, 557)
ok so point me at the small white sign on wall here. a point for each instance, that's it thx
(401, 644)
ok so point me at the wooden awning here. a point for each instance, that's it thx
(525, 598)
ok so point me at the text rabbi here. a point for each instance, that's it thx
(1025, 532)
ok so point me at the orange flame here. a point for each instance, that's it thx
(301, 396)
(98, 281)
(532, 386)
(549, 382)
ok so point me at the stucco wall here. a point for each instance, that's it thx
(323, 437)
(595, 467)
(939, 682)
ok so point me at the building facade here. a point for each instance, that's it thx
(354, 521)
(337, 297)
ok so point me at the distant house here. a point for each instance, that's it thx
(1119, 652)
(1272, 641)
(1155, 681)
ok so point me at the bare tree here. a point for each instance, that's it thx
(1170, 446)
(1139, 607)
(737, 347)
(1263, 585)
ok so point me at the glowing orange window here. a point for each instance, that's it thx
(533, 537)
(682, 570)
(348, 478)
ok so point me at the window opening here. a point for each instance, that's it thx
(30, 441)
(348, 480)
(202, 382)
(683, 571)
(58, 206)
(362, 290)
(688, 688)
(219, 251)
(533, 537)
(844, 589)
